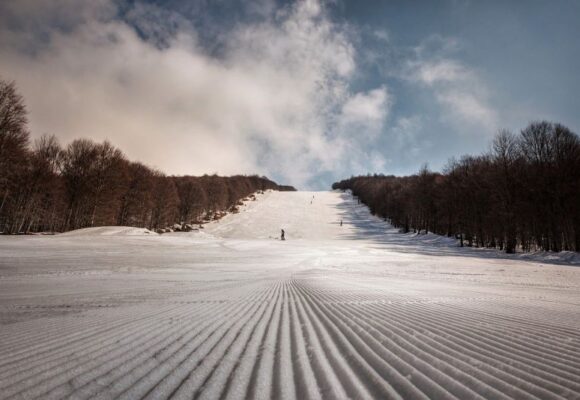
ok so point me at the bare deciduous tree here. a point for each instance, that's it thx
(525, 193)
(93, 184)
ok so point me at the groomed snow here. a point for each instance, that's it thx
(354, 311)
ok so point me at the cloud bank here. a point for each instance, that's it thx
(273, 98)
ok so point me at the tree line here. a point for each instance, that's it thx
(47, 187)
(524, 193)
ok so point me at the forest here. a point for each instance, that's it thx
(521, 195)
(45, 187)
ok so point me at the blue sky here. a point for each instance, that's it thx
(524, 54)
(305, 92)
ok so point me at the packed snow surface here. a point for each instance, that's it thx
(231, 312)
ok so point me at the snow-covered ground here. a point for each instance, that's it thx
(354, 311)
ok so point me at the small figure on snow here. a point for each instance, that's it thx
(282, 235)
(341, 222)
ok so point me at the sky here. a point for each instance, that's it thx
(305, 92)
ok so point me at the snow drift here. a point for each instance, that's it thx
(110, 231)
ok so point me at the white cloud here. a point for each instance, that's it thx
(437, 45)
(378, 161)
(468, 107)
(382, 35)
(276, 101)
(366, 111)
(458, 89)
(432, 72)
(406, 140)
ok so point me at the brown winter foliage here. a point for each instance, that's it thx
(523, 194)
(45, 187)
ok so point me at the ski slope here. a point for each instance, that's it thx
(334, 312)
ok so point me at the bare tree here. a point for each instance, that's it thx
(165, 202)
(136, 202)
(192, 199)
(505, 156)
(14, 152)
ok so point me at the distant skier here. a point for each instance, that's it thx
(282, 237)
(341, 222)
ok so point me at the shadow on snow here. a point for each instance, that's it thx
(371, 228)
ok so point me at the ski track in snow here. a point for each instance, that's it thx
(333, 312)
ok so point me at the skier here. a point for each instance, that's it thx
(341, 222)
(282, 235)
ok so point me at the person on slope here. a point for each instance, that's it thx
(282, 235)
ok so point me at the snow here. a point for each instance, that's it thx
(230, 311)
(110, 231)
